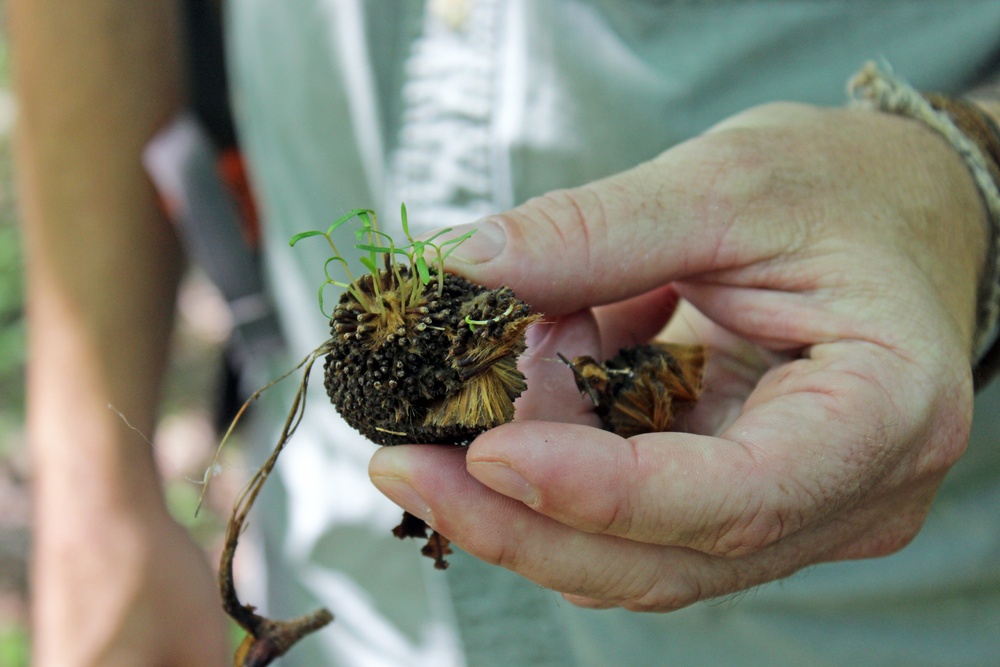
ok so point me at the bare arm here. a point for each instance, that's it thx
(94, 80)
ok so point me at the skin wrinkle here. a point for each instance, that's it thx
(912, 311)
(587, 229)
(775, 516)
(898, 407)
(614, 584)
(613, 578)
(625, 506)
(734, 518)
(508, 556)
(769, 524)
(849, 496)
(731, 540)
(877, 530)
(601, 219)
(655, 207)
(704, 203)
(610, 577)
(667, 591)
(781, 244)
(748, 155)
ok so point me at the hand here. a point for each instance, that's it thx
(125, 590)
(829, 258)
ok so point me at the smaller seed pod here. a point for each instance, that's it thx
(644, 388)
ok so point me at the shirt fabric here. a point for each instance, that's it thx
(469, 107)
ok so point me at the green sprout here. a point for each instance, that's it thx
(374, 242)
(479, 323)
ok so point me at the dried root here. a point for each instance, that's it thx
(266, 639)
(437, 546)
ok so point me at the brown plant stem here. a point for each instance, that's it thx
(266, 639)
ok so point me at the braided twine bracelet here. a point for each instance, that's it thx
(976, 138)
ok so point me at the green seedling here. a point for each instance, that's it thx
(480, 323)
(409, 278)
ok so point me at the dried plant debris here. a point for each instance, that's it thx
(415, 356)
(419, 356)
(437, 546)
(266, 639)
(441, 370)
(644, 388)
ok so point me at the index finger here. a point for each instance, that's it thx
(673, 217)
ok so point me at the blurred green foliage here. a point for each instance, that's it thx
(14, 647)
(12, 355)
(14, 642)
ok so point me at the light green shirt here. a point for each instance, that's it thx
(466, 108)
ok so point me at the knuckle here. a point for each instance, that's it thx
(763, 525)
(577, 213)
(617, 516)
(754, 536)
(889, 530)
(555, 249)
(665, 595)
(953, 426)
(574, 221)
(617, 520)
(499, 553)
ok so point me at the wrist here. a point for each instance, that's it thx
(972, 134)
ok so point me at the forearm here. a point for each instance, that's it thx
(94, 80)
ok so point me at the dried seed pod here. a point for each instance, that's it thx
(643, 388)
(453, 357)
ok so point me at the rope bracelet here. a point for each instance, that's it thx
(976, 138)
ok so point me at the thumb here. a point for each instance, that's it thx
(677, 216)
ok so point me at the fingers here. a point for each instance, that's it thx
(431, 482)
(504, 532)
(661, 520)
(766, 478)
(625, 235)
(675, 489)
(602, 571)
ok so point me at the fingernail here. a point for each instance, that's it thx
(400, 492)
(504, 479)
(486, 243)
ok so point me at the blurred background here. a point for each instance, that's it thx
(185, 439)
(15, 508)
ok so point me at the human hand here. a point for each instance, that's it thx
(832, 258)
(124, 589)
